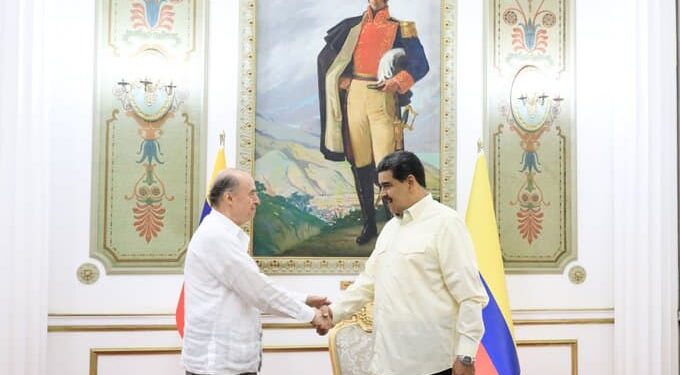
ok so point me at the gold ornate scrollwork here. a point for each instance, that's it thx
(364, 318)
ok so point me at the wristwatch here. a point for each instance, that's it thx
(466, 360)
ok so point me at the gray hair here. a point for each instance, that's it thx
(224, 182)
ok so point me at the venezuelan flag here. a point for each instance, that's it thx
(497, 354)
(220, 164)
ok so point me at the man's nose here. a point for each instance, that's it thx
(257, 200)
(381, 196)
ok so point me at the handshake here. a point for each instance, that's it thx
(323, 315)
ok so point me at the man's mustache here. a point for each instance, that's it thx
(380, 197)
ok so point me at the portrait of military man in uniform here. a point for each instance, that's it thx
(339, 84)
(366, 71)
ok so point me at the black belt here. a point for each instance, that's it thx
(365, 78)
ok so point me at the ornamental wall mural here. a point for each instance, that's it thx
(147, 132)
(530, 130)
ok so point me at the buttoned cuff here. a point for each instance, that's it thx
(405, 81)
(339, 313)
(466, 346)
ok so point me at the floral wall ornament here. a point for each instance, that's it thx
(529, 33)
(153, 14)
(531, 113)
(577, 275)
(87, 273)
(530, 214)
(150, 104)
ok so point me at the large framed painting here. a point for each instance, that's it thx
(318, 110)
(148, 133)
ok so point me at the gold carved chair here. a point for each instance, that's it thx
(351, 343)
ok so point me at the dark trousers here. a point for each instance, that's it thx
(445, 372)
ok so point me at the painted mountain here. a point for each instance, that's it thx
(309, 205)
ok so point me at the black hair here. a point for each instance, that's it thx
(223, 183)
(402, 164)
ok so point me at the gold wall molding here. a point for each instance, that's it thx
(95, 353)
(68, 315)
(172, 327)
(571, 343)
(172, 314)
(541, 322)
(152, 327)
(165, 322)
(582, 309)
(110, 328)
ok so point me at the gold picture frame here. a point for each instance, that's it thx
(443, 78)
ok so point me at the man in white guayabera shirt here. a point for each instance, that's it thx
(225, 292)
(423, 279)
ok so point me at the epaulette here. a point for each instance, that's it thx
(408, 29)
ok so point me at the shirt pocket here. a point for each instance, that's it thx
(413, 255)
(412, 246)
(411, 250)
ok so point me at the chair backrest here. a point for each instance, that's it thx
(351, 344)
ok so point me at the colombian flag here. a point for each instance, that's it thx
(497, 354)
(219, 165)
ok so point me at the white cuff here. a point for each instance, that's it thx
(466, 346)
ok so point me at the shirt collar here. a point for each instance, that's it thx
(380, 16)
(229, 225)
(417, 210)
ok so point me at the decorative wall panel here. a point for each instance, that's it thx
(530, 129)
(148, 132)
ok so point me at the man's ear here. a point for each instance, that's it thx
(226, 197)
(411, 180)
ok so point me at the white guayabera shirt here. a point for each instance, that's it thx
(427, 292)
(225, 293)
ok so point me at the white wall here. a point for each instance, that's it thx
(540, 300)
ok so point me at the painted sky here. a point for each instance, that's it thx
(289, 39)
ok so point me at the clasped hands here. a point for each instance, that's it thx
(323, 316)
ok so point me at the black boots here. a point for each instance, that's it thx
(364, 178)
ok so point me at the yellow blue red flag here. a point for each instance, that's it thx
(497, 354)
